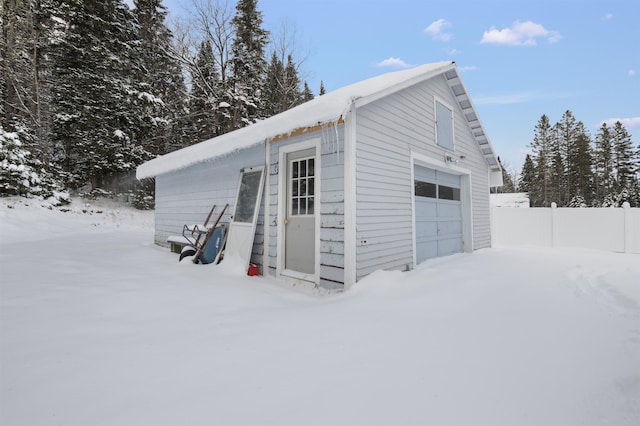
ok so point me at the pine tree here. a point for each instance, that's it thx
(17, 174)
(26, 31)
(540, 189)
(21, 173)
(623, 158)
(557, 171)
(248, 64)
(293, 95)
(273, 86)
(205, 97)
(603, 164)
(282, 86)
(508, 186)
(99, 107)
(307, 94)
(322, 89)
(565, 145)
(161, 76)
(580, 174)
(527, 176)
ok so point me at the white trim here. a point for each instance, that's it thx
(413, 212)
(350, 269)
(281, 272)
(466, 197)
(266, 197)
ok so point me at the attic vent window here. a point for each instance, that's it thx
(444, 126)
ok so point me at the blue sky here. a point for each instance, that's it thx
(519, 59)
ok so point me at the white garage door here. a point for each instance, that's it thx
(438, 213)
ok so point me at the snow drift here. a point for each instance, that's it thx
(98, 326)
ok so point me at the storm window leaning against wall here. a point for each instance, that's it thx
(444, 126)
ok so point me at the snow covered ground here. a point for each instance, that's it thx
(100, 327)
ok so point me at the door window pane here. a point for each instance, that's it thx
(302, 186)
(448, 193)
(425, 189)
(247, 197)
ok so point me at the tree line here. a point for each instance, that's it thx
(90, 89)
(569, 168)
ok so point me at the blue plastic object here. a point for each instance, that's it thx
(214, 245)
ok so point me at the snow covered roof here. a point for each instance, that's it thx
(328, 108)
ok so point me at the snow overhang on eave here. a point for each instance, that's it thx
(459, 91)
(433, 71)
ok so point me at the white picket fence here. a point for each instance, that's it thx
(611, 229)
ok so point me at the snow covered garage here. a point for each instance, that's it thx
(381, 174)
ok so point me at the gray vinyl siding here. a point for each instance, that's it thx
(186, 196)
(387, 131)
(331, 203)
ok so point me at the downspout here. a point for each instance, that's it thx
(350, 269)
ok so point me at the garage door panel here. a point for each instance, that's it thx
(449, 210)
(449, 229)
(449, 246)
(438, 214)
(426, 207)
(426, 250)
(427, 231)
(424, 175)
(448, 179)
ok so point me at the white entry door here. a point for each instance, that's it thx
(300, 220)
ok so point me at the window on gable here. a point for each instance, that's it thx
(444, 126)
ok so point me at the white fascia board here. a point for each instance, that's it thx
(465, 97)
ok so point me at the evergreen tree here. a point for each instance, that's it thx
(624, 167)
(99, 107)
(603, 164)
(21, 173)
(26, 31)
(565, 146)
(541, 149)
(273, 87)
(282, 87)
(17, 174)
(161, 76)
(557, 174)
(527, 176)
(292, 94)
(205, 99)
(248, 64)
(322, 89)
(580, 174)
(307, 94)
(508, 186)
(577, 201)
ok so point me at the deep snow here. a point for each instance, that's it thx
(100, 327)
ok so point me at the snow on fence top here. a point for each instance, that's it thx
(323, 109)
